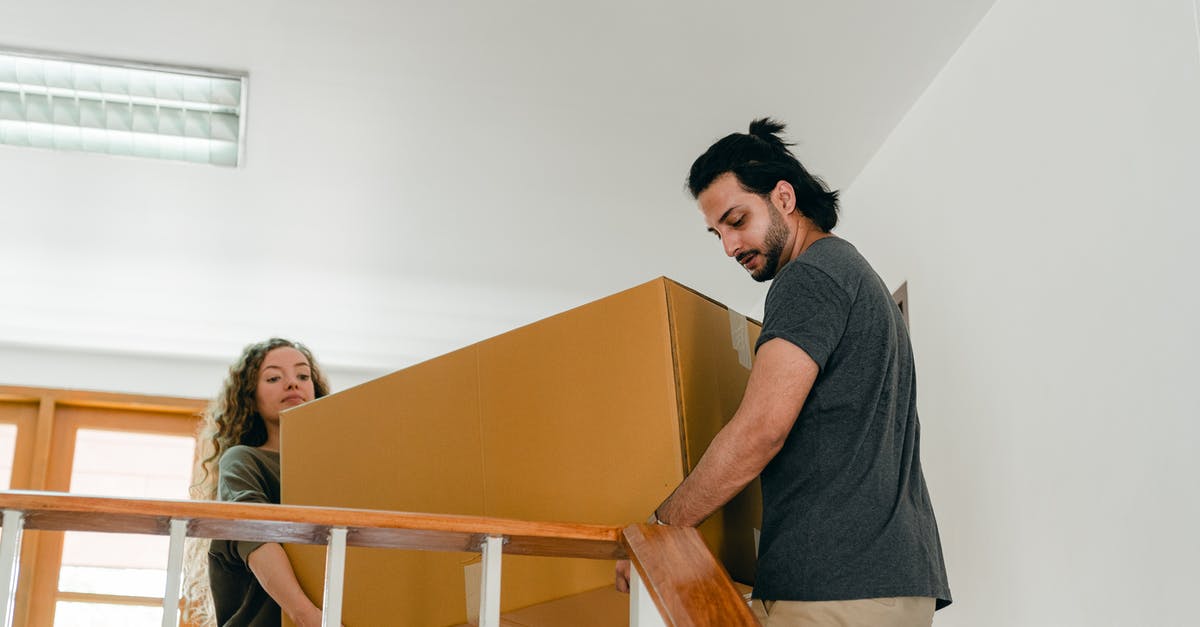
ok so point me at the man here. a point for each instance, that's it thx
(829, 416)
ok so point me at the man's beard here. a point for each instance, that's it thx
(772, 248)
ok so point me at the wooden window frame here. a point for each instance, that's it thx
(42, 460)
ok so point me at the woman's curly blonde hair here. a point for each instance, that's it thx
(231, 418)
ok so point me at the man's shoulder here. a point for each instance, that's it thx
(824, 258)
(831, 253)
(832, 258)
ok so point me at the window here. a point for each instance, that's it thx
(8, 449)
(99, 444)
(115, 580)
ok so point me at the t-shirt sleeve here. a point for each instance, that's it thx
(241, 480)
(806, 307)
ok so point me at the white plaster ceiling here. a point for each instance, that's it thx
(419, 176)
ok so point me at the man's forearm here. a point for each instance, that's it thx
(779, 383)
(736, 456)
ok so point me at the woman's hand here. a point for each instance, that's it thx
(307, 618)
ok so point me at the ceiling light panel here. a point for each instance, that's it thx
(141, 110)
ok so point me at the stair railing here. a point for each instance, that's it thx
(675, 580)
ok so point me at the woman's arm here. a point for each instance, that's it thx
(270, 565)
(243, 478)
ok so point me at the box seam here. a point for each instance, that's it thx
(673, 339)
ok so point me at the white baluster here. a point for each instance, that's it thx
(10, 561)
(642, 611)
(489, 585)
(174, 573)
(335, 575)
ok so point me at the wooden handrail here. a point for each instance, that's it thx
(295, 524)
(688, 585)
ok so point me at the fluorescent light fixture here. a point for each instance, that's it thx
(121, 108)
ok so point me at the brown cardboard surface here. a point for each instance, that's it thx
(405, 442)
(711, 383)
(568, 403)
(575, 418)
(600, 607)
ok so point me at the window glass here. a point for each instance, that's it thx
(69, 614)
(125, 464)
(8, 447)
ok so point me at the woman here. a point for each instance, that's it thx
(251, 581)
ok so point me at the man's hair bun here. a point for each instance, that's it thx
(768, 130)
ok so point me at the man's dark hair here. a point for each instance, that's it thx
(760, 160)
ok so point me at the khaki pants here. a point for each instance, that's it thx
(889, 612)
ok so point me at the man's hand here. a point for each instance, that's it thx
(623, 567)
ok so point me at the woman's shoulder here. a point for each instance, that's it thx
(239, 450)
(242, 454)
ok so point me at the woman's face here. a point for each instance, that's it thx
(284, 381)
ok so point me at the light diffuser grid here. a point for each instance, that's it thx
(118, 108)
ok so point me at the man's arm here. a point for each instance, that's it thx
(780, 380)
(782, 376)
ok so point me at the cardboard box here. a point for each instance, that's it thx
(593, 415)
(602, 607)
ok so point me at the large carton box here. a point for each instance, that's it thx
(602, 607)
(592, 415)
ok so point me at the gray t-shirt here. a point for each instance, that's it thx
(246, 475)
(846, 514)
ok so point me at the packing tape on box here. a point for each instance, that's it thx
(740, 335)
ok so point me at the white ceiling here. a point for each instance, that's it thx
(419, 176)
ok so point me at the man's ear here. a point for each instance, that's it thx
(784, 197)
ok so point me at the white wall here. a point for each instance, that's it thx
(139, 373)
(422, 175)
(1041, 200)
